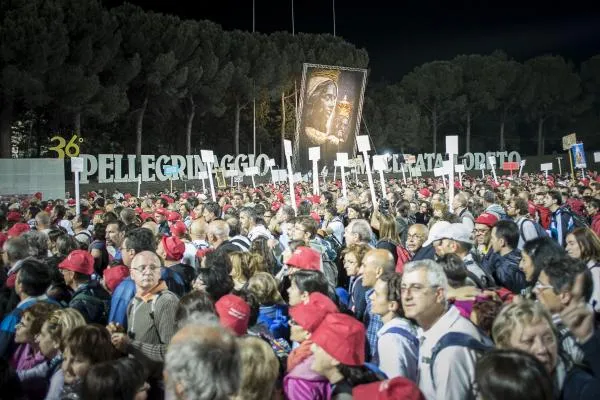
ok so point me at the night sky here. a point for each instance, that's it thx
(402, 36)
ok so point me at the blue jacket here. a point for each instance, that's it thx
(125, 291)
(506, 271)
(8, 326)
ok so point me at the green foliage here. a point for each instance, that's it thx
(133, 80)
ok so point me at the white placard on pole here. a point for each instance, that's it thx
(546, 167)
(522, 164)
(380, 164)
(76, 168)
(451, 150)
(452, 144)
(287, 146)
(342, 161)
(314, 154)
(208, 158)
(271, 164)
(597, 156)
(492, 161)
(460, 169)
(437, 172)
(203, 175)
(362, 142)
(364, 146)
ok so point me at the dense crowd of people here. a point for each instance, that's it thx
(491, 294)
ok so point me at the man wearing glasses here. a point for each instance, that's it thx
(150, 315)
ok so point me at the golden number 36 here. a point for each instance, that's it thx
(71, 149)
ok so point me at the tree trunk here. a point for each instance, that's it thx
(282, 128)
(190, 122)
(502, 144)
(139, 125)
(77, 123)
(468, 139)
(5, 128)
(236, 131)
(434, 119)
(540, 149)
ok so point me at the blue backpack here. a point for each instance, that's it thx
(539, 230)
(458, 339)
(405, 334)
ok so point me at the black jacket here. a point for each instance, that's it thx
(92, 301)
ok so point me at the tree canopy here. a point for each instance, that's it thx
(134, 81)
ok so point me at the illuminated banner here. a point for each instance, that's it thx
(578, 155)
(330, 110)
(107, 168)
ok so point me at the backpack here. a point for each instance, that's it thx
(405, 334)
(458, 339)
(578, 221)
(539, 230)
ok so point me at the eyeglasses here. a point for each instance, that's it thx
(415, 288)
(539, 286)
(151, 268)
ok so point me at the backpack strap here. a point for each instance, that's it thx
(405, 334)
(456, 339)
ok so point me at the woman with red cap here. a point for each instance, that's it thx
(339, 354)
(300, 381)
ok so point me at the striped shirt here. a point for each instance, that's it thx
(151, 336)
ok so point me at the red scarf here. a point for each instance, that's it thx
(298, 355)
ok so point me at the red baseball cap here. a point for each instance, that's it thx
(305, 258)
(162, 211)
(178, 229)
(174, 247)
(13, 216)
(234, 313)
(173, 216)
(487, 218)
(18, 229)
(425, 192)
(310, 315)
(115, 275)
(342, 337)
(78, 261)
(391, 389)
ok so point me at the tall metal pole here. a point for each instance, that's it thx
(293, 22)
(253, 88)
(333, 1)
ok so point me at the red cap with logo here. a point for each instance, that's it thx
(234, 313)
(342, 337)
(310, 315)
(78, 261)
(174, 247)
(391, 389)
(305, 258)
